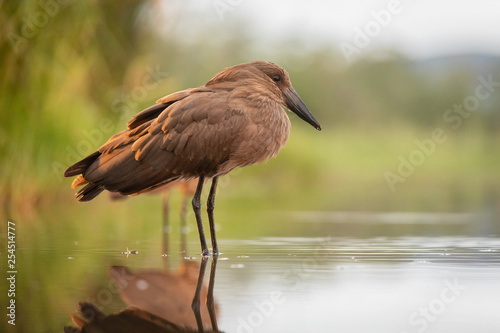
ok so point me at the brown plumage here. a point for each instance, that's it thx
(236, 119)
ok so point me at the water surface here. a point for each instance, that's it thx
(328, 272)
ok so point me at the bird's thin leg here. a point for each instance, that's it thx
(166, 224)
(195, 305)
(210, 295)
(196, 207)
(210, 211)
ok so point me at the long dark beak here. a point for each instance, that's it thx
(295, 104)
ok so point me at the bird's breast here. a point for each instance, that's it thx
(266, 133)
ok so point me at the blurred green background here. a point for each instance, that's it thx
(85, 68)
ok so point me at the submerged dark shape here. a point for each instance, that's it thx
(234, 120)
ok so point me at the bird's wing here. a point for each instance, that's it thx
(161, 104)
(192, 136)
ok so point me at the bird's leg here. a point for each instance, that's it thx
(210, 295)
(210, 211)
(195, 305)
(196, 207)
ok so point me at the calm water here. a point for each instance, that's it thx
(331, 276)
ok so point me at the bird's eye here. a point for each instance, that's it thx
(276, 78)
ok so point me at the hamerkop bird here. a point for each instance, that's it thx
(236, 119)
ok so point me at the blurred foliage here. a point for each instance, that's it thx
(73, 72)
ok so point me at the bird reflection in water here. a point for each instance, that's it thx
(157, 302)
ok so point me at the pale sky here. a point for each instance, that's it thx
(417, 28)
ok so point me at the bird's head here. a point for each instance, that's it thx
(274, 78)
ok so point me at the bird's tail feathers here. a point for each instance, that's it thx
(79, 181)
(89, 192)
(80, 167)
